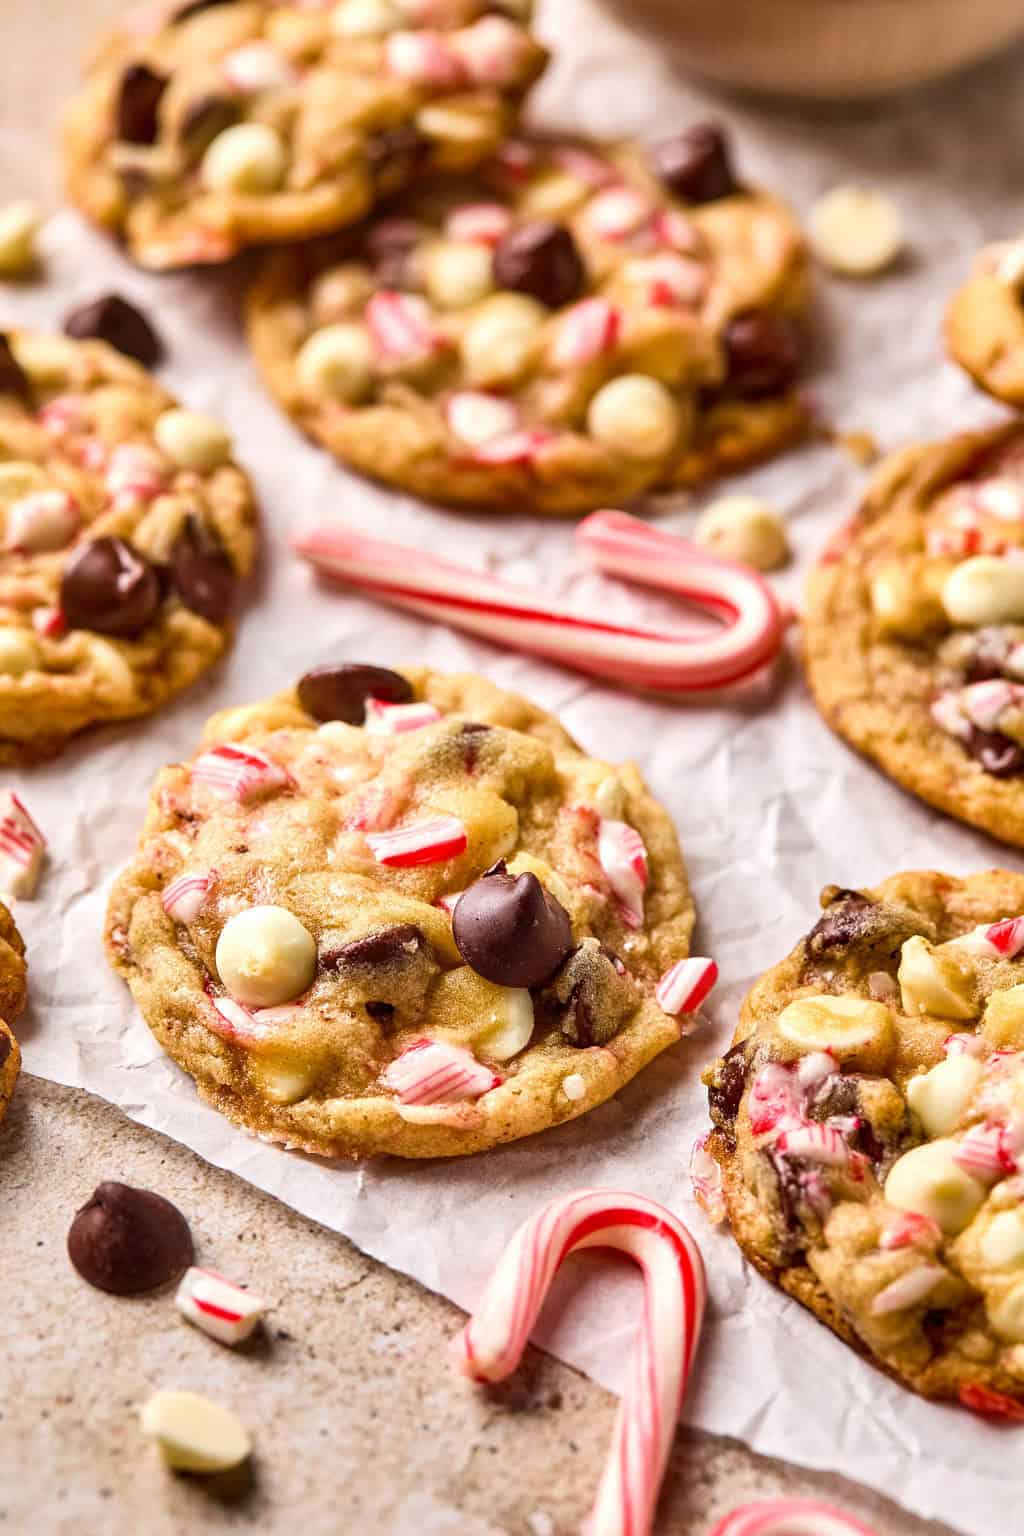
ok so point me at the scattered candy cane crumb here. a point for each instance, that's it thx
(789, 1517)
(22, 848)
(220, 1308)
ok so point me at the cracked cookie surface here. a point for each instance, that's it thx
(401, 912)
(12, 1001)
(205, 128)
(125, 529)
(869, 1127)
(914, 627)
(576, 324)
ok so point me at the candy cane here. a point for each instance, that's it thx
(789, 1517)
(490, 1345)
(614, 542)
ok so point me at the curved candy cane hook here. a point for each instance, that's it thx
(754, 622)
(789, 1517)
(492, 1342)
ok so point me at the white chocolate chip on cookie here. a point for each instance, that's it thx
(744, 528)
(927, 1181)
(265, 956)
(935, 983)
(1002, 1243)
(192, 439)
(336, 363)
(497, 343)
(846, 1026)
(246, 158)
(985, 590)
(940, 1096)
(636, 416)
(855, 231)
(19, 651)
(458, 273)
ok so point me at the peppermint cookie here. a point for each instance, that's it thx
(985, 322)
(206, 127)
(125, 528)
(869, 1128)
(403, 912)
(914, 628)
(12, 1001)
(573, 325)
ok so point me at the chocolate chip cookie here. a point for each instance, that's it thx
(12, 1001)
(985, 322)
(869, 1127)
(401, 912)
(576, 324)
(914, 628)
(125, 530)
(204, 128)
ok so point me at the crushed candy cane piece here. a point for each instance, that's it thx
(706, 1181)
(43, 520)
(383, 719)
(435, 1072)
(478, 223)
(1003, 940)
(183, 899)
(983, 703)
(587, 331)
(493, 51)
(815, 1144)
(424, 842)
(685, 985)
(789, 1517)
(424, 57)
(258, 66)
(476, 417)
(948, 715)
(908, 1230)
(989, 1152)
(64, 413)
(238, 773)
(49, 622)
(135, 471)
(618, 213)
(22, 847)
(995, 1404)
(400, 325)
(223, 1310)
(512, 448)
(908, 1289)
(623, 857)
(581, 163)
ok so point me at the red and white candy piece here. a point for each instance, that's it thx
(492, 1342)
(257, 66)
(588, 330)
(493, 51)
(623, 857)
(989, 1152)
(424, 57)
(437, 1072)
(668, 280)
(64, 413)
(908, 1289)
(983, 703)
(135, 472)
(910, 1230)
(1003, 940)
(183, 899)
(706, 1181)
(813, 1143)
(42, 520)
(675, 230)
(249, 1027)
(22, 847)
(685, 985)
(947, 712)
(477, 418)
(790, 1517)
(618, 213)
(395, 719)
(49, 622)
(424, 842)
(621, 545)
(223, 1310)
(238, 773)
(581, 163)
(478, 223)
(400, 326)
(512, 448)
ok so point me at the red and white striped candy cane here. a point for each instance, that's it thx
(492, 1342)
(674, 662)
(789, 1517)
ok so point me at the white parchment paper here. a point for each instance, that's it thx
(769, 806)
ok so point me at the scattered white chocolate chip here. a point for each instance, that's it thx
(940, 1096)
(636, 416)
(574, 1087)
(19, 651)
(507, 1022)
(935, 983)
(22, 848)
(845, 1026)
(265, 956)
(497, 343)
(855, 231)
(221, 1309)
(365, 18)
(985, 589)
(246, 158)
(458, 273)
(336, 362)
(744, 528)
(927, 1181)
(1002, 1243)
(194, 1434)
(192, 439)
(20, 222)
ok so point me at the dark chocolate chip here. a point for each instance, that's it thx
(13, 378)
(141, 91)
(381, 1013)
(846, 919)
(541, 259)
(129, 1240)
(996, 753)
(510, 929)
(201, 573)
(115, 321)
(110, 588)
(394, 155)
(790, 1193)
(5, 1048)
(469, 736)
(339, 691)
(380, 948)
(581, 1020)
(203, 120)
(695, 164)
(726, 1092)
(762, 354)
(193, 8)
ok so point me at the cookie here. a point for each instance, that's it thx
(985, 322)
(401, 912)
(574, 325)
(12, 1001)
(125, 529)
(204, 128)
(869, 1126)
(914, 627)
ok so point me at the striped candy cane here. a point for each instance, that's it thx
(492, 1342)
(612, 541)
(789, 1517)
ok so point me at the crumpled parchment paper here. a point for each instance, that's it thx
(768, 805)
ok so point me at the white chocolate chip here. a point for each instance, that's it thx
(20, 222)
(507, 1022)
(365, 18)
(248, 157)
(452, 125)
(265, 956)
(574, 1087)
(192, 440)
(845, 1026)
(935, 983)
(19, 651)
(1007, 1315)
(1002, 1243)
(336, 363)
(636, 416)
(940, 1096)
(610, 798)
(19, 477)
(194, 1434)
(985, 590)
(904, 602)
(927, 1181)
(855, 231)
(286, 1082)
(553, 196)
(744, 528)
(458, 273)
(499, 339)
